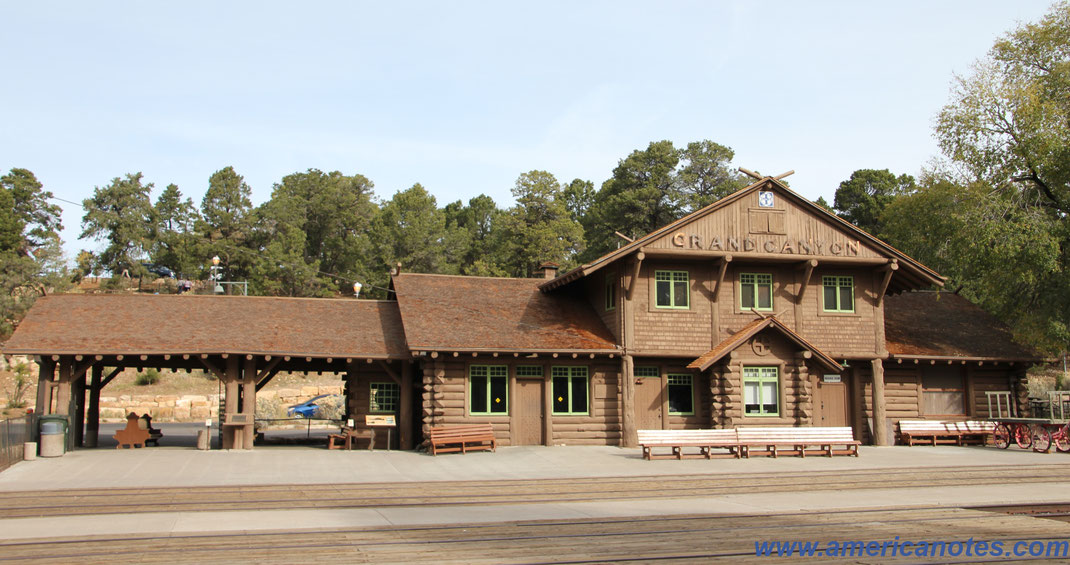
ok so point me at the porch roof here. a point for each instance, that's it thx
(88, 324)
(752, 329)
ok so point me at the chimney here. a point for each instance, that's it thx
(546, 271)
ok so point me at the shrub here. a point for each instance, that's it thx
(22, 382)
(330, 408)
(148, 377)
(269, 408)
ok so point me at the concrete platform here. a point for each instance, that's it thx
(183, 466)
(178, 467)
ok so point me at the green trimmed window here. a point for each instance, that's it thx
(839, 294)
(611, 293)
(383, 397)
(647, 372)
(570, 390)
(681, 396)
(755, 291)
(488, 389)
(760, 391)
(529, 371)
(670, 289)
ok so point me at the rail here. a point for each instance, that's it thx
(15, 432)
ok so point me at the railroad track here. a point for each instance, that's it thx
(73, 502)
(685, 539)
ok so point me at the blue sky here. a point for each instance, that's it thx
(462, 97)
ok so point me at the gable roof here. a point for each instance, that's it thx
(444, 312)
(752, 329)
(946, 325)
(112, 324)
(911, 273)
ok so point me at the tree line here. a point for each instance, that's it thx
(991, 214)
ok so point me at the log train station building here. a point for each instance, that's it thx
(759, 309)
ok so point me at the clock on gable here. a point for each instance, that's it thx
(765, 198)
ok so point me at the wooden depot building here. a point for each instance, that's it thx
(759, 309)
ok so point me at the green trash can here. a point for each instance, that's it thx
(54, 430)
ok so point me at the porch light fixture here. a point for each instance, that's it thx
(356, 289)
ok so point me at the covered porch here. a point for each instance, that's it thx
(82, 342)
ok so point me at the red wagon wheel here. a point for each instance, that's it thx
(1061, 437)
(1001, 436)
(1022, 436)
(1041, 437)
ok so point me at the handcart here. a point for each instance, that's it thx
(1049, 424)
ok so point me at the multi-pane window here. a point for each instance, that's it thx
(611, 293)
(529, 371)
(570, 390)
(681, 400)
(488, 389)
(647, 372)
(760, 396)
(839, 294)
(756, 291)
(670, 289)
(383, 397)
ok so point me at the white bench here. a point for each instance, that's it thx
(677, 440)
(799, 441)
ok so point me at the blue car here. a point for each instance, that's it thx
(307, 409)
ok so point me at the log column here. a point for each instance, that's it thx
(858, 402)
(804, 395)
(249, 402)
(628, 436)
(231, 392)
(78, 385)
(92, 423)
(880, 428)
(405, 438)
(46, 374)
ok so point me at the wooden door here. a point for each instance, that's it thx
(529, 406)
(648, 403)
(831, 400)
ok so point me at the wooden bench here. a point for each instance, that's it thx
(348, 436)
(471, 437)
(677, 440)
(132, 435)
(933, 432)
(145, 423)
(801, 441)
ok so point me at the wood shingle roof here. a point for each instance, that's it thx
(172, 324)
(442, 312)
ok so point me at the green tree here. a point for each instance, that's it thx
(540, 228)
(823, 203)
(1005, 257)
(1006, 131)
(862, 198)
(176, 244)
(706, 174)
(578, 196)
(475, 228)
(122, 215)
(227, 223)
(410, 229)
(31, 254)
(1008, 122)
(282, 268)
(640, 197)
(30, 204)
(334, 211)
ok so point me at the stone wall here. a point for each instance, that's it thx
(195, 408)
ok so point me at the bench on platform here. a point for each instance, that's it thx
(677, 440)
(933, 432)
(465, 438)
(132, 435)
(348, 436)
(801, 441)
(145, 423)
